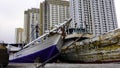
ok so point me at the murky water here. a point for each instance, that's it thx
(54, 65)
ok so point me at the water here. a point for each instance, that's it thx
(63, 65)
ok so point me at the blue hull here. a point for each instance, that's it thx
(42, 54)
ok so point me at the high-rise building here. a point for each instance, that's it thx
(19, 35)
(31, 23)
(96, 16)
(52, 13)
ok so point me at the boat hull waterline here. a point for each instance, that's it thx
(42, 54)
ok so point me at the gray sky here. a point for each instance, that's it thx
(12, 16)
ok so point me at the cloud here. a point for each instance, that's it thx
(12, 16)
(117, 4)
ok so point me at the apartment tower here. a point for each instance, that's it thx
(19, 35)
(31, 21)
(95, 16)
(52, 13)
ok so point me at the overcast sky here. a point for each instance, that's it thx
(12, 16)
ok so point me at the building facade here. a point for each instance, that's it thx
(19, 35)
(95, 16)
(31, 24)
(52, 13)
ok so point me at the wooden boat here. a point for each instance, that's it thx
(101, 49)
(41, 49)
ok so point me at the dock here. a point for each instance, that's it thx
(62, 65)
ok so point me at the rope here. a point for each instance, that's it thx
(42, 65)
(74, 42)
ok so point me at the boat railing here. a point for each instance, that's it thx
(36, 40)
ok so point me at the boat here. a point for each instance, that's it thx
(104, 48)
(4, 55)
(41, 49)
(13, 48)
